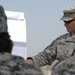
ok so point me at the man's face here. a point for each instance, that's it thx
(70, 26)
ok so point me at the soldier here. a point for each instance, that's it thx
(62, 47)
(10, 64)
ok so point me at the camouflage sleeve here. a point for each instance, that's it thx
(66, 67)
(47, 56)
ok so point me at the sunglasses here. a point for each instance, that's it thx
(69, 21)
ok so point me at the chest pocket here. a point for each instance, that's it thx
(65, 50)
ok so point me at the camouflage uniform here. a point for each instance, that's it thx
(66, 67)
(15, 65)
(60, 49)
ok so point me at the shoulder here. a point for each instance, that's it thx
(64, 36)
(17, 58)
(57, 40)
(31, 69)
(25, 68)
(61, 38)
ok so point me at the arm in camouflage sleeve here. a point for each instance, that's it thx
(47, 56)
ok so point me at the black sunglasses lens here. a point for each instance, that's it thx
(67, 21)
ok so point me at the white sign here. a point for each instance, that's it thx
(16, 25)
(17, 30)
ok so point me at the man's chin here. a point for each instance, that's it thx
(69, 31)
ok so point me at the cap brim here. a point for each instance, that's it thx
(68, 17)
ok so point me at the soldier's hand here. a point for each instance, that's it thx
(30, 61)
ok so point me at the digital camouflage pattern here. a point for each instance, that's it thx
(15, 65)
(60, 49)
(3, 20)
(66, 67)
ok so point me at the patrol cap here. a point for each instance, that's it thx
(69, 13)
(3, 20)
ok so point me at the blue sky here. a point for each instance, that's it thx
(42, 20)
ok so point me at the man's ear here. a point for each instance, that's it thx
(12, 44)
